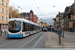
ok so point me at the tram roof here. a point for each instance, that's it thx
(24, 20)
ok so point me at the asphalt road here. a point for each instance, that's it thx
(34, 41)
(70, 36)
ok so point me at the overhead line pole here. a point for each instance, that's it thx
(59, 30)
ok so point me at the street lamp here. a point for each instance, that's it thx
(59, 28)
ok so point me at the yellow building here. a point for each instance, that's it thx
(4, 14)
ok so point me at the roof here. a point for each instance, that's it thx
(31, 11)
(54, 19)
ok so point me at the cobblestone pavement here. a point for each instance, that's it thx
(52, 41)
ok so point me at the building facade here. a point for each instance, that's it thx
(67, 19)
(37, 20)
(4, 14)
(30, 16)
(69, 14)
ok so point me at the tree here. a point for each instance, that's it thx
(14, 13)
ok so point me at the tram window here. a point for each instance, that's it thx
(36, 27)
(32, 27)
(25, 27)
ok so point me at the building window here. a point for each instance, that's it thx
(26, 14)
(2, 10)
(30, 17)
(3, 29)
(6, 12)
(22, 14)
(6, 5)
(26, 17)
(30, 14)
(6, 18)
(2, 2)
(2, 18)
(3, 26)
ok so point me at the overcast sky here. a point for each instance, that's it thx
(46, 9)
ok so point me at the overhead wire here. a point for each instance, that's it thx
(17, 5)
(22, 8)
(61, 4)
(38, 7)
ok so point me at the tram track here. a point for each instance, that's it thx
(11, 39)
(30, 41)
(17, 43)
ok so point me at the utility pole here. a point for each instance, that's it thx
(59, 29)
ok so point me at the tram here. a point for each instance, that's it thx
(19, 28)
(45, 25)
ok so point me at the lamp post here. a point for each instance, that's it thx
(59, 29)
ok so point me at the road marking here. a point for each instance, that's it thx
(4, 41)
(28, 42)
(38, 41)
(8, 42)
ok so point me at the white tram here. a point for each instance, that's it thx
(19, 28)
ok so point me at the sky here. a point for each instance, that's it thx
(44, 9)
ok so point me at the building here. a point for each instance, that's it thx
(62, 21)
(4, 14)
(37, 20)
(55, 24)
(30, 16)
(67, 19)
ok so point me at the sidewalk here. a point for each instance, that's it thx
(73, 33)
(52, 41)
(3, 37)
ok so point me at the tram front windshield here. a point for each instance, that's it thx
(44, 26)
(14, 26)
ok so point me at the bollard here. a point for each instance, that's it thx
(1, 33)
(5, 32)
(63, 34)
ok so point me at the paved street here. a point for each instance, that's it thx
(70, 36)
(40, 40)
(33, 41)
